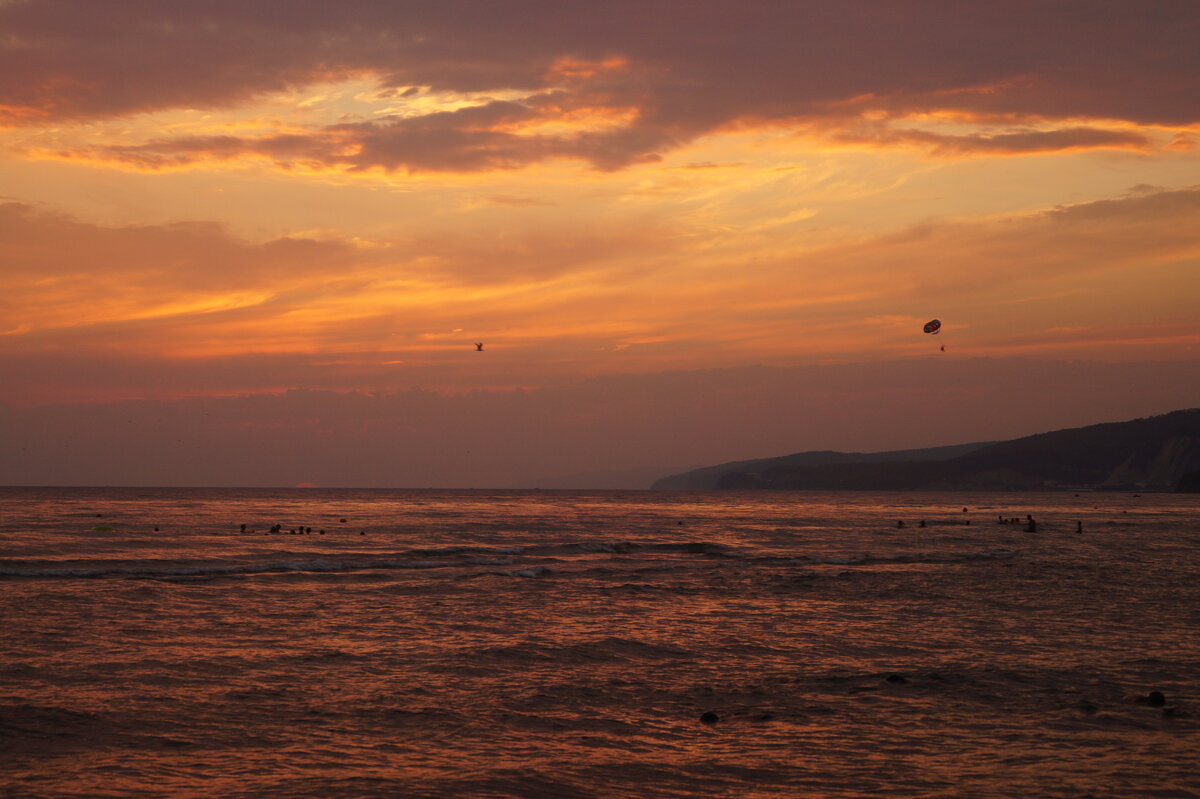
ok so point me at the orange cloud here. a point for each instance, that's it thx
(500, 135)
(568, 302)
(1007, 143)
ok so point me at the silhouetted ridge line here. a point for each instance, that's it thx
(1158, 453)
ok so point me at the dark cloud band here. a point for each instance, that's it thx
(679, 68)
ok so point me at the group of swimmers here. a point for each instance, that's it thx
(1029, 522)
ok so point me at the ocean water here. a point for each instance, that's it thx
(569, 644)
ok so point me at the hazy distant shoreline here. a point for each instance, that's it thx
(1159, 453)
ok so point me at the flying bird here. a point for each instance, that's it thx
(479, 346)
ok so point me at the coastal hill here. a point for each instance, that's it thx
(1159, 453)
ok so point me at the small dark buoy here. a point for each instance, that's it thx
(897, 678)
(1079, 527)
(343, 521)
(243, 528)
(964, 510)
(900, 523)
(362, 532)
(1156, 699)
(708, 717)
(679, 522)
(156, 529)
(321, 532)
(99, 515)
(1087, 707)
(921, 523)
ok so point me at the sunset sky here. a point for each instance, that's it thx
(252, 243)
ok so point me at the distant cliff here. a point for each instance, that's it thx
(1159, 453)
(715, 476)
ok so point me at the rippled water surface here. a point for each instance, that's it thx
(567, 644)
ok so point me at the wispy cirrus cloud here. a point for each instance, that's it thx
(1004, 143)
(553, 304)
(482, 138)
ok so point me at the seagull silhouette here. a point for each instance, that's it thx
(479, 346)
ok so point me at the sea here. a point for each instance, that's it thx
(165, 642)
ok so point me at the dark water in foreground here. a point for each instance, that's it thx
(566, 644)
